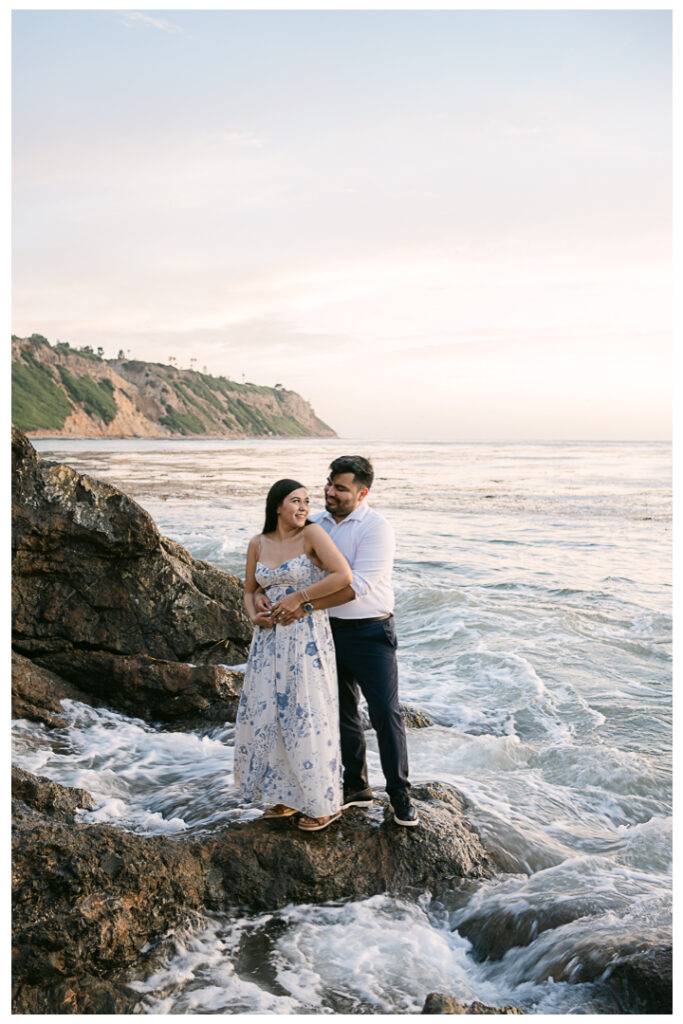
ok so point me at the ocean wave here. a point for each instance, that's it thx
(142, 778)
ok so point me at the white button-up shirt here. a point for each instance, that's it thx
(367, 542)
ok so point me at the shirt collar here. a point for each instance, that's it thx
(357, 514)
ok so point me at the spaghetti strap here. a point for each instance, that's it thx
(258, 550)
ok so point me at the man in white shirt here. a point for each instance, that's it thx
(362, 624)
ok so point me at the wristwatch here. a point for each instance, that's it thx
(307, 607)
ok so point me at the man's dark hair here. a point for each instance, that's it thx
(276, 495)
(362, 470)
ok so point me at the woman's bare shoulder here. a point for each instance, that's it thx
(313, 530)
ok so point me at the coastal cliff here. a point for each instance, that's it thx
(60, 391)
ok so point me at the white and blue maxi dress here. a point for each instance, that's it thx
(287, 746)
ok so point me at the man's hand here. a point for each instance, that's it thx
(261, 602)
(263, 620)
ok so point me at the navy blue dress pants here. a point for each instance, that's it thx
(366, 659)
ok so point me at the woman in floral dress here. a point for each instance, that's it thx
(287, 748)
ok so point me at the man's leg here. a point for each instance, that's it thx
(351, 731)
(367, 653)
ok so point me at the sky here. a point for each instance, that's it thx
(447, 225)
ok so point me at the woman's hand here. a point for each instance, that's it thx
(282, 617)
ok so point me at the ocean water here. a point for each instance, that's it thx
(533, 611)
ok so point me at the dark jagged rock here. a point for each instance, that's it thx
(83, 994)
(412, 717)
(144, 687)
(93, 576)
(643, 982)
(37, 693)
(438, 1002)
(264, 865)
(60, 802)
(88, 898)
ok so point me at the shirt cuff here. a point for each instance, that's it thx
(360, 585)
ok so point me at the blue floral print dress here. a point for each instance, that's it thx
(287, 746)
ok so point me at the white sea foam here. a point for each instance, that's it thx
(141, 777)
(379, 955)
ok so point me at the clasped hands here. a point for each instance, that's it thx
(285, 611)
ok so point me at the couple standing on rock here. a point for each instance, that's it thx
(299, 744)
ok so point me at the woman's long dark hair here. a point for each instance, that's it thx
(276, 495)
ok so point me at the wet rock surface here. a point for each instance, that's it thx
(638, 976)
(439, 1002)
(158, 691)
(643, 981)
(89, 898)
(412, 717)
(37, 693)
(41, 794)
(265, 864)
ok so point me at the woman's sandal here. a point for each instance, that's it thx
(307, 824)
(279, 811)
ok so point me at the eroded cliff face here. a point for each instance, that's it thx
(59, 391)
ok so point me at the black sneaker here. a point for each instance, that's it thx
(403, 810)
(360, 798)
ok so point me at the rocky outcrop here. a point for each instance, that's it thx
(111, 606)
(158, 691)
(90, 898)
(37, 693)
(86, 901)
(438, 1002)
(264, 865)
(643, 981)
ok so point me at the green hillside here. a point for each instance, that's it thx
(59, 389)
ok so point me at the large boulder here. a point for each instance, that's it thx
(643, 981)
(265, 865)
(94, 579)
(86, 900)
